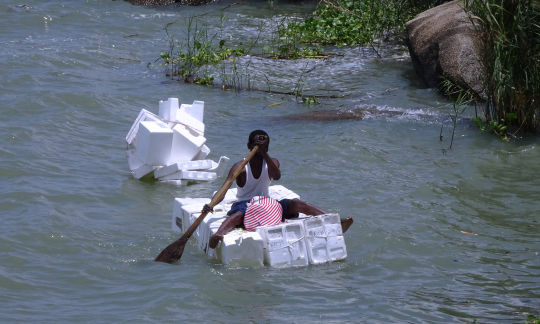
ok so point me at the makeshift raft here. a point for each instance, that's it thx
(171, 146)
(298, 242)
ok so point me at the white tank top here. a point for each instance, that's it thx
(254, 187)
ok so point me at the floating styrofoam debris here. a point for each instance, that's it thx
(185, 144)
(144, 115)
(137, 168)
(203, 153)
(220, 167)
(187, 165)
(158, 144)
(168, 108)
(154, 142)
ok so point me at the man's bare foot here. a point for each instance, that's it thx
(214, 240)
(346, 223)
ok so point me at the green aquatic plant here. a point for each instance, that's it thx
(510, 33)
(355, 22)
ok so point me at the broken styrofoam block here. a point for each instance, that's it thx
(154, 143)
(143, 171)
(144, 115)
(168, 109)
(324, 238)
(170, 177)
(187, 165)
(175, 182)
(185, 119)
(185, 144)
(133, 160)
(242, 248)
(220, 167)
(203, 153)
(197, 110)
(198, 175)
(190, 175)
(284, 245)
(137, 168)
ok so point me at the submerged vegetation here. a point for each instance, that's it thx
(352, 22)
(510, 32)
(202, 56)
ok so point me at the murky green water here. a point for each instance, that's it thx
(438, 237)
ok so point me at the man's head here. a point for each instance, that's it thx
(253, 137)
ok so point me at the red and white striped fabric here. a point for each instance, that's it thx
(262, 211)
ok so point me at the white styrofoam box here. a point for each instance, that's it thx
(220, 167)
(179, 166)
(144, 115)
(182, 209)
(230, 196)
(203, 153)
(197, 110)
(170, 177)
(208, 227)
(190, 175)
(242, 248)
(187, 214)
(198, 175)
(154, 142)
(174, 182)
(337, 250)
(324, 238)
(284, 245)
(185, 144)
(185, 119)
(279, 192)
(332, 224)
(168, 109)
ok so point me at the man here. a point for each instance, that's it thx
(253, 181)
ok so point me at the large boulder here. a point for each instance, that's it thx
(444, 43)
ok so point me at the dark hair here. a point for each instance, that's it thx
(255, 133)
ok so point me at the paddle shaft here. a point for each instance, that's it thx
(173, 252)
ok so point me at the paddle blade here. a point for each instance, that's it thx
(173, 252)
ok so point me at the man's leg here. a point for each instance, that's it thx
(228, 224)
(296, 206)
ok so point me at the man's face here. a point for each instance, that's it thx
(261, 140)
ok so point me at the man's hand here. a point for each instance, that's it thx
(207, 209)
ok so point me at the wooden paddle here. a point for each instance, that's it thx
(173, 252)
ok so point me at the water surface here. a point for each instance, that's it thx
(440, 235)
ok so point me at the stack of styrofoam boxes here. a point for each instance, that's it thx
(239, 247)
(171, 146)
(324, 238)
(284, 245)
(308, 240)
